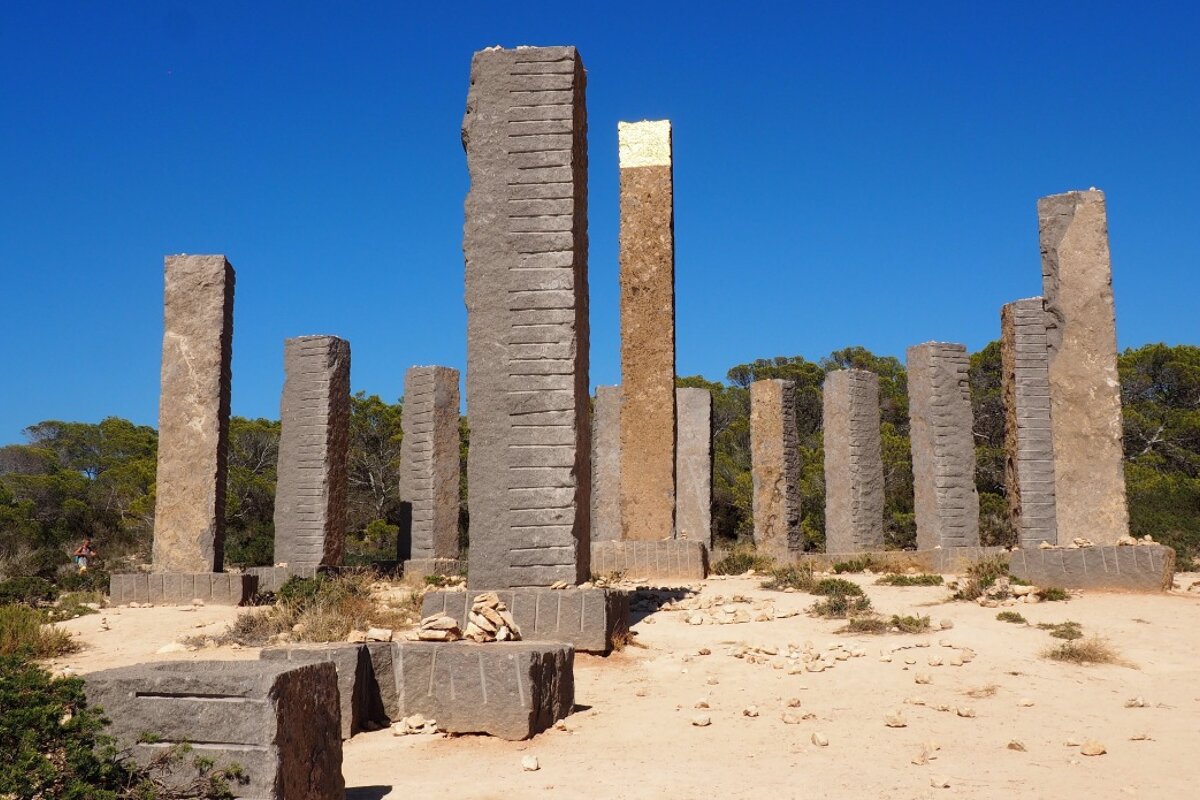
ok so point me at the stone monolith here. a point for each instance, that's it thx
(1028, 442)
(606, 464)
(693, 466)
(193, 415)
(942, 437)
(429, 462)
(647, 278)
(1085, 389)
(853, 462)
(525, 244)
(775, 469)
(314, 442)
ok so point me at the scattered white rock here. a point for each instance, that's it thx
(895, 720)
(1016, 744)
(1025, 702)
(1092, 748)
(750, 711)
(1135, 702)
(379, 634)
(702, 720)
(173, 647)
(530, 763)
(820, 739)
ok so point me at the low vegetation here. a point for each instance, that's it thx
(742, 558)
(1013, 617)
(1054, 594)
(24, 633)
(1092, 650)
(798, 577)
(923, 579)
(830, 587)
(1063, 630)
(877, 624)
(861, 564)
(980, 577)
(840, 606)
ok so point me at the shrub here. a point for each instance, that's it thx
(1011, 616)
(92, 580)
(793, 576)
(1090, 651)
(836, 586)
(1063, 630)
(910, 580)
(23, 632)
(868, 623)
(910, 624)
(980, 577)
(861, 564)
(742, 558)
(840, 606)
(72, 605)
(1054, 594)
(27, 589)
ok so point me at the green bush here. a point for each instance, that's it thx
(836, 586)
(1063, 630)
(793, 576)
(23, 632)
(741, 559)
(980, 576)
(93, 580)
(910, 624)
(910, 580)
(27, 589)
(1054, 594)
(861, 564)
(840, 606)
(1011, 616)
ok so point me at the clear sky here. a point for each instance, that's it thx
(845, 173)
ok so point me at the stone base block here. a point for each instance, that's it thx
(677, 559)
(417, 569)
(512, 690)
(173, 588)
(278, 721)
(1146, 568)
(271, 578)
(366, 688)
(588, 619)
(942, 560)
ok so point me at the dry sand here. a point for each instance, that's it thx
(633, 737)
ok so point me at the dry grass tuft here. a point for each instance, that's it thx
(1084, 651)
(981, 692)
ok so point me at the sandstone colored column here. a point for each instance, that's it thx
(525, 243)
(310, 492)
(1028, 443)
(693, 466)
(1085, 390)
(606, 464)
(193, 415)
(647, 256)
(853, 462)
(775, 468)
(429, 461)
(943, 446)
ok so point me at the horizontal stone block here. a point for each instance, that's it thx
(278, 721)
(216, 588)
(512, 690)
(668, 559)
(361, 702)
(588, 619)
(1136, 569)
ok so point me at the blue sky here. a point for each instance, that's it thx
(846, 173)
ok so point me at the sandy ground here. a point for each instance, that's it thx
(632, 736)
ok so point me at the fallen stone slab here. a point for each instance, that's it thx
(670, 558)
(364, 699)
(590, 620)
(276, 720)
(512, 690)
(172, 588)
(1141, 568)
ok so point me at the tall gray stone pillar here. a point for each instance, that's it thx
(647, 331)
(1085, 389)
(943, 446)
(854, 491)
(693, 466)
(525, 243)
(429, 462)
(193, 415)
(1028, 442)
(314, 443)
(606, 465)
(775, 469)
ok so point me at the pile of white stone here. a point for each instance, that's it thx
(1079, 541)
(490, 621)
(438, 628)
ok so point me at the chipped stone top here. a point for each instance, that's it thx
(644, 144)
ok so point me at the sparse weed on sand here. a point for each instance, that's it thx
(1013, 617)
(1063, 630)
(1093, 650)
(741, 559)
(794, 576)
(861, 564)
(980, 576)
(923, 579)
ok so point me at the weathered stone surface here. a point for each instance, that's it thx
(1028, 440)
(359, 702)
(1136, 569)
(675, 559)
(693, 465)
(429, 463)
(271, 578)
(589, 619)
(279, 721)
(647, 279)
(181, 588)
(193, 414)
(943, 446)
(525, 242)
(1085, 390)
(853, 462)
(314, 442)
(417, 569)
(775, 468)
(942, 561)
(512, 690)
(606, 464)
